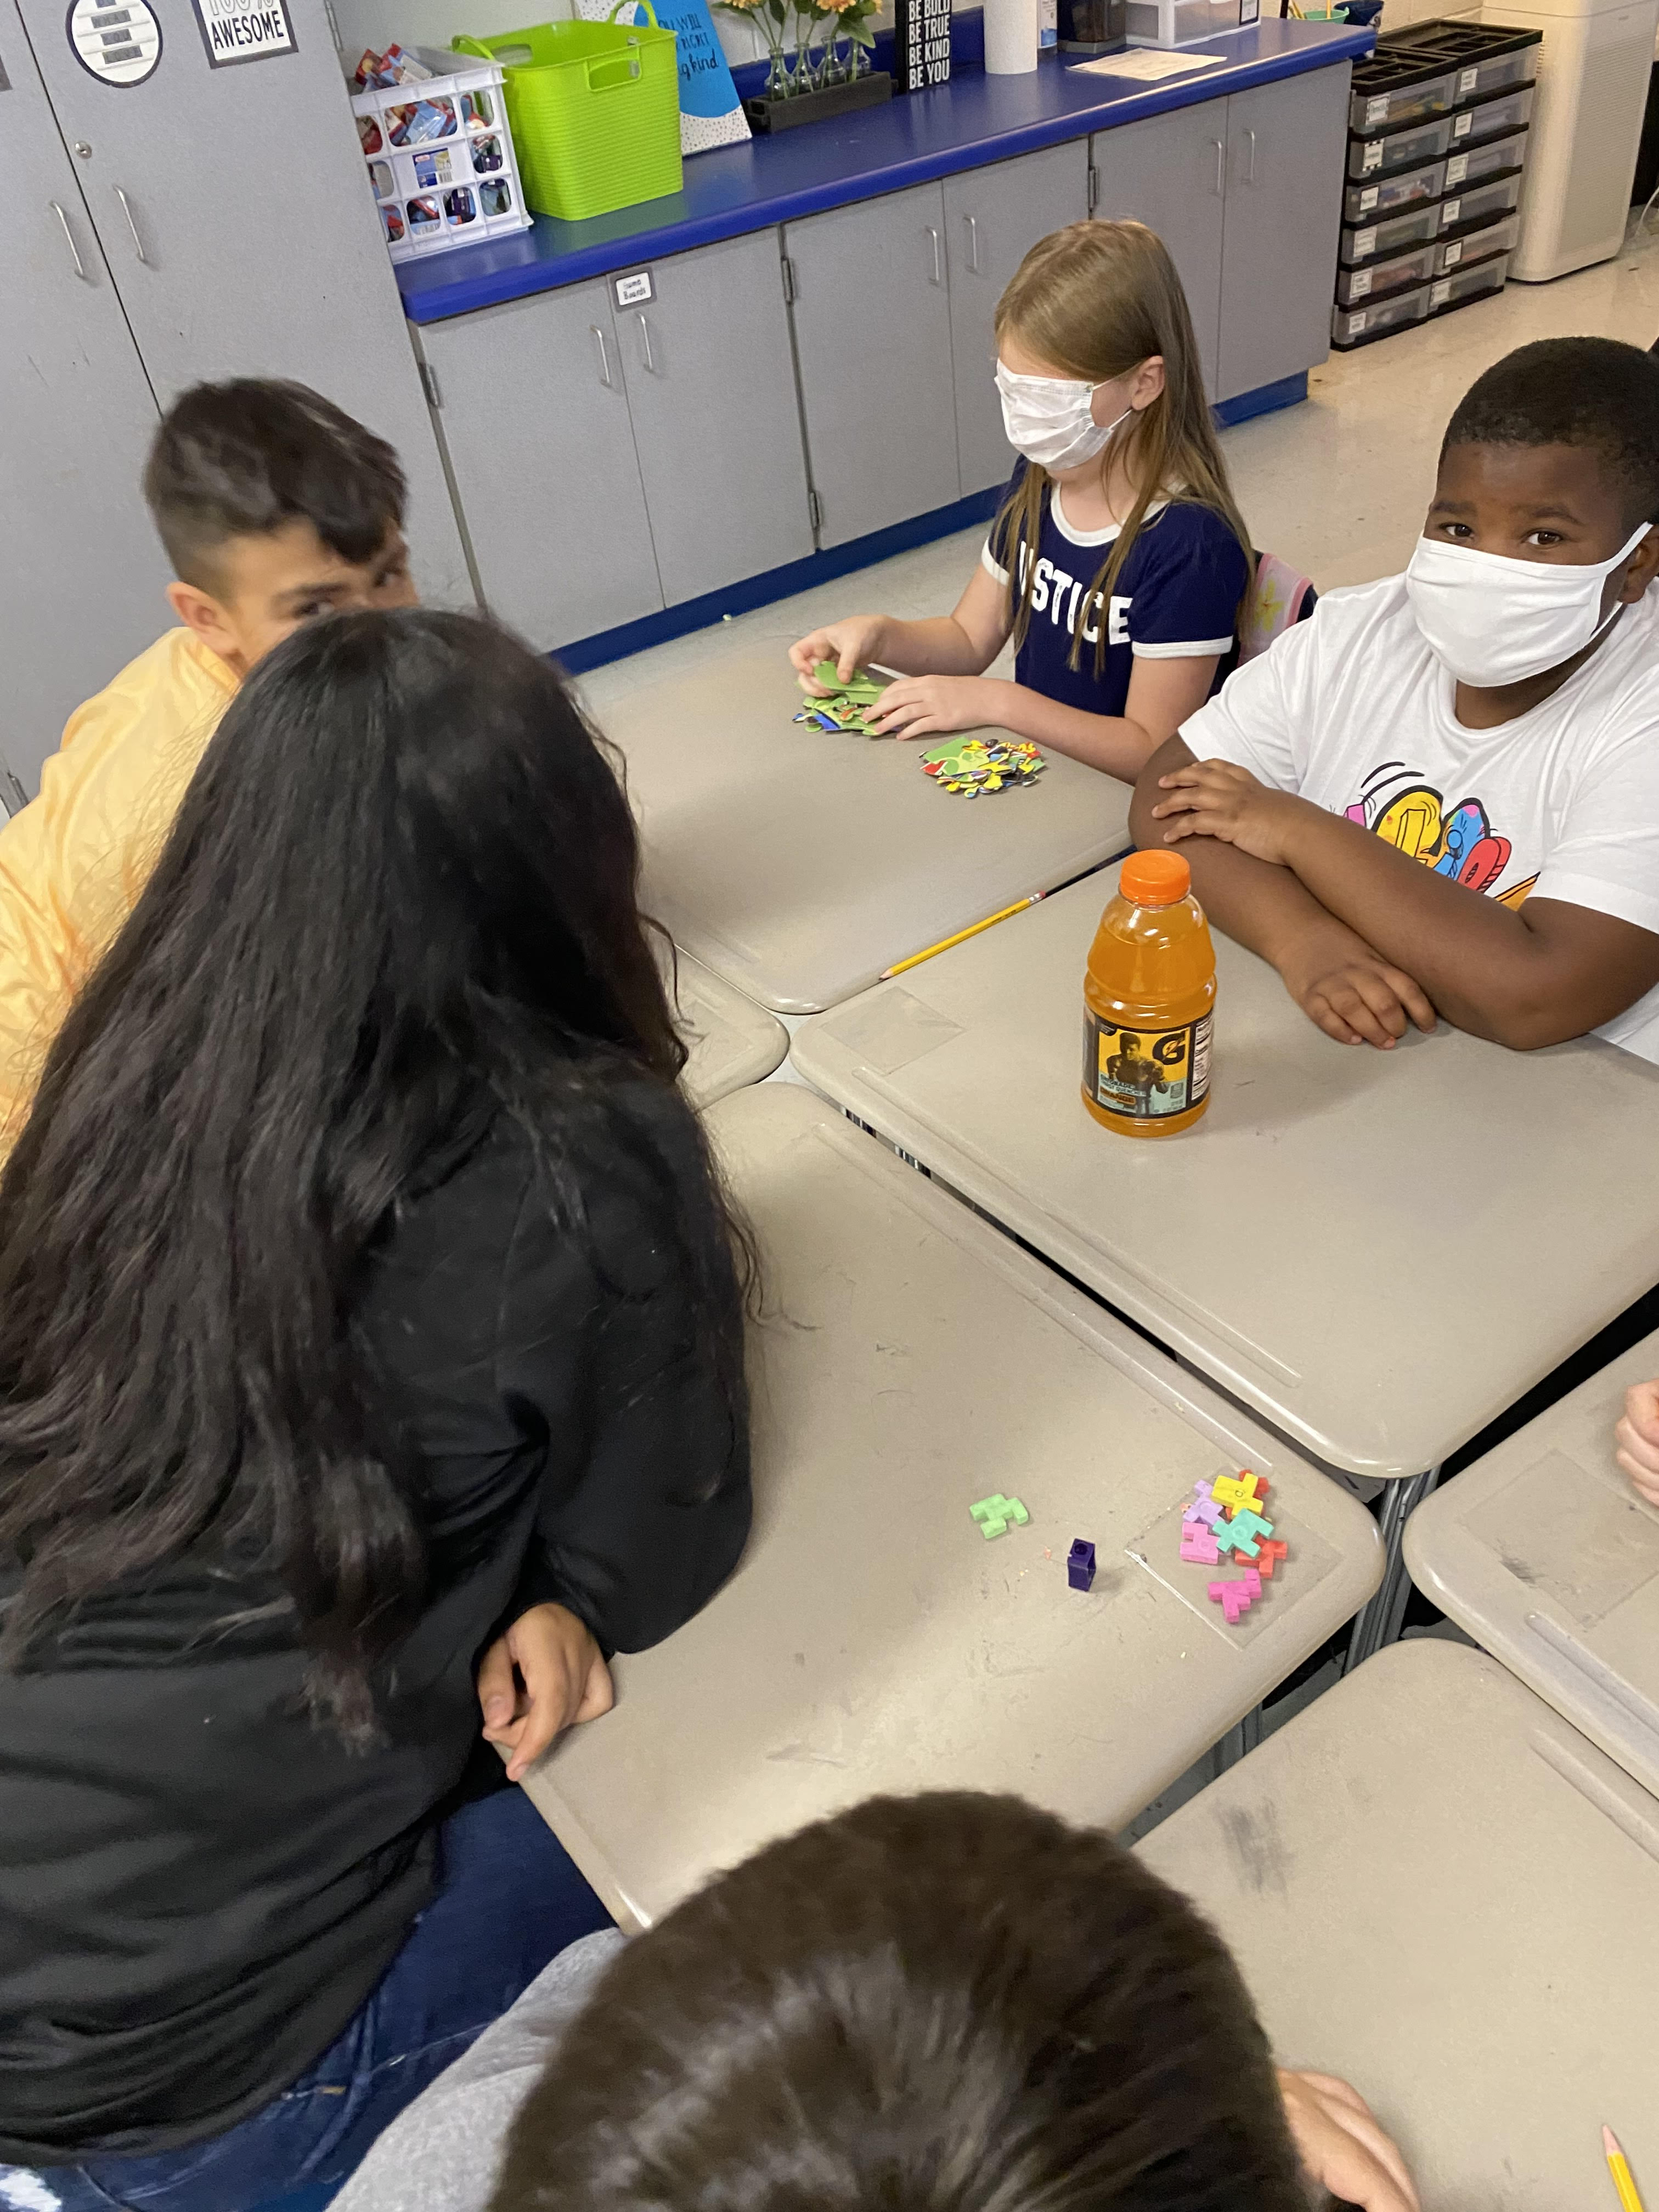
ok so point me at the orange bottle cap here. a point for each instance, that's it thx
(1155, 879)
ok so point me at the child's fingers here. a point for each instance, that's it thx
(847, 662)
(1375, 991)
(1359, 1014)
(1642, 1410)
(1412, 996)
(1324, 1016)
(1643, 1481)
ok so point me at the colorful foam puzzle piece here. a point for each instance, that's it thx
(1251, 1523)
(1239, 1490)
(1233, 1597)
(1206, 1512)
(1080, 1564)
(1273, 1550)
(1199, 1547)
(994, 1514)
(1237, 1541)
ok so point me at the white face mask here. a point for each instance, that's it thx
(1049, 419)
(1493, 620)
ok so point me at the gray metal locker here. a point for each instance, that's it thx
(1285, 146)
(236, 219)
(1169, 173)
(82, 578)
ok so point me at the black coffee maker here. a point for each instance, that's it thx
(1092, 27)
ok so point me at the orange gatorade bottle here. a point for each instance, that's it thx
(1147, 1000)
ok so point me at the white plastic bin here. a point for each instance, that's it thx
(440, 161)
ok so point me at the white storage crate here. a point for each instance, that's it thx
(440, 161)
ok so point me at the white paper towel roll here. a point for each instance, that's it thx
(1010, 37)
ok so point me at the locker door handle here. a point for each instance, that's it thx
(973, 245)
(68, 240)
(1220, 166)
(1249, 173)
(938, 261)
(126, 209)
(605, 358)
(645, 345)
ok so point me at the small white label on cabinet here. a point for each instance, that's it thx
(1377, 111)
(244, 30)
(118, 44)
(1356, 324)
(1372, 158)
(1365, 243)
(1463, 123)
(1454, 254)
(1360, 284)
(1456, 169)
(635, 290)
(1439, 293)
(1367, 199)
(1449, 211)
(1466, 83)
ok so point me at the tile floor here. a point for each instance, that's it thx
(1338, 485)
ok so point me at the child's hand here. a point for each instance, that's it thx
(850, 644)
(918, 706)
(1350, 992)
(1214, 799)
(1342, 2146)
(1637, 1438)
(560, 1678)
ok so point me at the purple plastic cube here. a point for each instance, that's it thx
(1080, 1564)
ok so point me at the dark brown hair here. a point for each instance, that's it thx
(939, 2003)
(243, 458)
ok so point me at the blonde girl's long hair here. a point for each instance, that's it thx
(1095, 301)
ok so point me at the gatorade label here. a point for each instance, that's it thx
(1144, 1074)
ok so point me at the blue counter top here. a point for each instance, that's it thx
(915, 138)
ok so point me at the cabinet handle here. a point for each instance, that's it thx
(1220, 166)
(1249, 173)
(605, 358)
(645, 345)
(68, 240)
(126, 209)
(973, 245)
(938, 262)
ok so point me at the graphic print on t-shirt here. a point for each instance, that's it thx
(1396, 804)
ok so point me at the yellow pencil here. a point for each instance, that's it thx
(1618, 2167)
(961, 937)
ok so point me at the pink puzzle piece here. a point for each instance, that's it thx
(1234, 1598)
(1198, 1547)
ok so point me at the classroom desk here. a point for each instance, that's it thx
(1543, 1552)
(734, 1042)
(1438, 1890)
(1377, 1252)
(800, 866)
(872, 1640)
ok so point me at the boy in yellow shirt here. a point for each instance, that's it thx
(274, 507)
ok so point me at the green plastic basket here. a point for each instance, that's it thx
(594, 110)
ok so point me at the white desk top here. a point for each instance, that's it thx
(1379, 1251)
(734, 1042)
(1438, 1890)
(871, 1639)
(1544, 1554)
(800, 866)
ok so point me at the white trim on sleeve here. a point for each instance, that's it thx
(1197, 650)
(1640, 908)
(992, 566)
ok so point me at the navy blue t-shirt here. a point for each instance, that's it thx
(1177, 598)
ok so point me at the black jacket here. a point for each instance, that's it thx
(198, 1884)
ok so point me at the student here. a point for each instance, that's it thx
(1637, 1438)
(1117, 562)
(1487, 723)
(274, 507)
(370, 1353)
(928, 2004)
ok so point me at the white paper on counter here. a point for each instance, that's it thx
(1145, 62)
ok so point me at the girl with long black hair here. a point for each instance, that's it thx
(370, 1351)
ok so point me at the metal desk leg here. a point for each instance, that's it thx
(1378, 1621)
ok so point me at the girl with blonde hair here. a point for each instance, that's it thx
(1118, 563)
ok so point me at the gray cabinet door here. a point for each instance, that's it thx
(872, 340)
(992, 217)
(81, 585)
(535, 414)
(711, 384)
(1286, 146)
(247, 243)
(1169, 173)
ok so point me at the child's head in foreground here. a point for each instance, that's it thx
(274, 507)
(1553, 454)
(942, 2003)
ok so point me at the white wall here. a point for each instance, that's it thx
(376, 23)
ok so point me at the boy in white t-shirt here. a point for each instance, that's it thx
(1487, 722)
